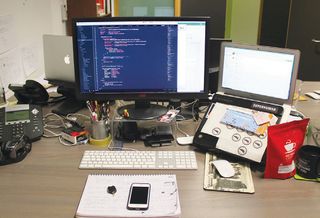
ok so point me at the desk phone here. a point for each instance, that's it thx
(19, 120)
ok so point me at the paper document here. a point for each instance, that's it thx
(11, 70)
(8, 39)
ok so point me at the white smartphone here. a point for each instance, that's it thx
(139, 196)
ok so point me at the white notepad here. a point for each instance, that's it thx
(97, 202)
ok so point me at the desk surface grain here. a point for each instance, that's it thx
(48, 183)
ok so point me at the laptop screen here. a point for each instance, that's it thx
(258, 72)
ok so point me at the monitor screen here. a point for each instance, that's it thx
(136, 58)
(259, 72)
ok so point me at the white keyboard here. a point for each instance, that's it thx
(104, 159)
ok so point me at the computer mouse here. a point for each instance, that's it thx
(186, 140)
(224, 168)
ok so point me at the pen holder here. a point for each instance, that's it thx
(99, 133)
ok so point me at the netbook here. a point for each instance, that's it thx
(260, 73)
(58, 58)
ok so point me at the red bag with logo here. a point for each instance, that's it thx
(284, 140)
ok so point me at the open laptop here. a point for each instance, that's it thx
(252, 78)
(59, 71)
(58, 58)
(261, 73)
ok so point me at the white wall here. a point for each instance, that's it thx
(30, 19)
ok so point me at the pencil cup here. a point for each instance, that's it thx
(99, 134)
(98, 129)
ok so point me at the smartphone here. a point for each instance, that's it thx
(139, 196)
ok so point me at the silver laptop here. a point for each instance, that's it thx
(260, 73)
(58, 58)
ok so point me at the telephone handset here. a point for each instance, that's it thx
(21, 120)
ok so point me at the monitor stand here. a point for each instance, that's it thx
(143, 110)
(70, 105)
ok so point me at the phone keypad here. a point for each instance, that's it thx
(17, 130)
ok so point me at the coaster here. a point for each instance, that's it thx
(297, 177)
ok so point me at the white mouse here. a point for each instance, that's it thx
(224, 168)
(186, 140)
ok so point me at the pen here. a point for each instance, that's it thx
(89, 107)
(94, 116)
(103, 111)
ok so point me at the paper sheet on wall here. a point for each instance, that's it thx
(30, 58)
(7, 33)
(11, 70)
(96, 202)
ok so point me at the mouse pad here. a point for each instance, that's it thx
(240, 182)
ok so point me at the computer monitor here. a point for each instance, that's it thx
(141, 59)
(258, 72)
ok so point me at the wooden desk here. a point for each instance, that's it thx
(48, 183)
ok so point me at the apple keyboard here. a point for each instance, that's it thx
(105, 159)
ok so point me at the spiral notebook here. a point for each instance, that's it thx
(97, 202)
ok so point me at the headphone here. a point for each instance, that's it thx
(14, 151)
(30, 93)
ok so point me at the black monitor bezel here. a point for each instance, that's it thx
(163, 96)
